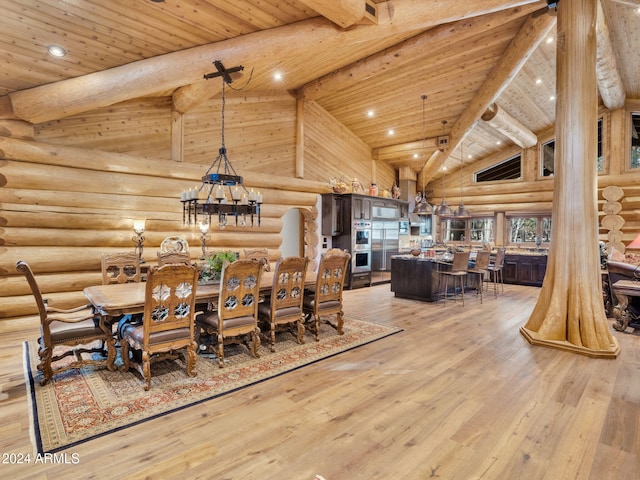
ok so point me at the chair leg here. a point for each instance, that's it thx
(146, 369)
(44, 366)
(255, 342)
(220, 350)
(191, 359)
(316, 320)
(301, 329)
(340, 325)
(273, 336)
(462, 282)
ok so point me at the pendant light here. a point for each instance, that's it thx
(461, 212)
(423, 207)
(443, 209)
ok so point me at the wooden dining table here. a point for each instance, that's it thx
(117, 299)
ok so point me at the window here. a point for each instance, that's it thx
(507, 170)
(548, 155)
(481, 230)
(635, 140)
(600, 154)
(475, 230)
(455, 230)
(530, 229)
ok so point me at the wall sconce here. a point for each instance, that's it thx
(138, 238)
(204, 228)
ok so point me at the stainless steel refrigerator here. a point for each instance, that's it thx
(384, 244)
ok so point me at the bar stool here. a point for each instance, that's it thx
(458, 270)
(495, 271)
(480, 269)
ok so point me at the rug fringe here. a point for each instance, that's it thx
(28, 382)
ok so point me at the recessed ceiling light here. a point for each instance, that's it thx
(444, 169)
(637, 11)
(538, 81)
(469, 156)
(391, 132)
(498, 142)
(277, 76)
(56, 50)
(416, 155)
(550, 40)
(552, 98)
(370, 113)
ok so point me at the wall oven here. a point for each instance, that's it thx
(361, 261)
(361, 235)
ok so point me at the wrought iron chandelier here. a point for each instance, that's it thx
(210, 198)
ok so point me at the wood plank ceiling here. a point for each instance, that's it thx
(462, 54)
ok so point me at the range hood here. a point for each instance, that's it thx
(415, 220)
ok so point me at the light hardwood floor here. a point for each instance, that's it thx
(459, 394)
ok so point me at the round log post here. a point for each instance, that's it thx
(569, 314)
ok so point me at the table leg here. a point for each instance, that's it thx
(621, 312)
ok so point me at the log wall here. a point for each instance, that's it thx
(72, 193)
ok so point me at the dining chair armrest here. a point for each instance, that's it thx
(70, 310)
(73, 316)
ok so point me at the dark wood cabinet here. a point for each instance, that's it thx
(524, 269)
(414, 278)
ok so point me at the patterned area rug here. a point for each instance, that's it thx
(81, 404)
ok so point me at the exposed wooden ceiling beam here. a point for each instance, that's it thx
(511, 128)
(190, 96)
(344, 12)
(434, 40)
(609, 81)
(176, 69)
(534, 30)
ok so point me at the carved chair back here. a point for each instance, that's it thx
(284, 305)
(120, 268)
(169, 258)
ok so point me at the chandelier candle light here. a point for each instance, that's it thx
(210, 198)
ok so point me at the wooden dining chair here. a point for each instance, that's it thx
(167, 329)
(326, 297)
(168, 258)
(260, 254)
(236, 316)
(69, 332)
(283, 307)
(121, 267)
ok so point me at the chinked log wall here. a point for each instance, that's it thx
(62, 207)
(534, 194)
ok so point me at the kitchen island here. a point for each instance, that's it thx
(414, 277)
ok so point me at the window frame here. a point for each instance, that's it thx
(629, 165)
(495, 165)
(540, 229)
(445, 228)
(602, 142)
